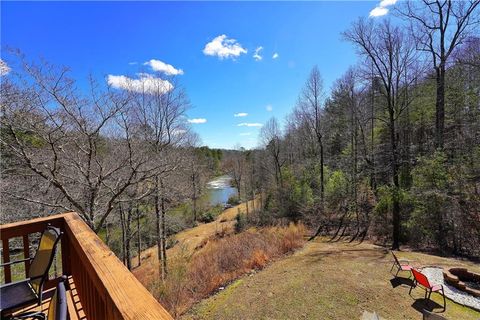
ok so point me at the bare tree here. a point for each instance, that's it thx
(270, 136)
(392, 56)
(194, 169)
(80, 147)
(236, 166)
(159, 115)
(310, 110)
(439, 26)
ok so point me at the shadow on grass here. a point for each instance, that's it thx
(398, 281)
(363, 254)
(425, 304)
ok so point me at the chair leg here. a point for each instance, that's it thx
(444, 300)
(392, 267)
(414, 284)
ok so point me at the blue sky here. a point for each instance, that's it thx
(222, 79)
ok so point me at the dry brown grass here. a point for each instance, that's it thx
(222, 260)
(189, 241)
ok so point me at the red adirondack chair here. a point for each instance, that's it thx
(400, 266)
(422, 280)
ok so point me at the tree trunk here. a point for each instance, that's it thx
(194, 197)
(158, 225)
(440, 107)
(107, 233)
(139, 238)
(122, 225)
(163, 251)
(322, 181)
(373, 182)
(395, 197)
(128, 238)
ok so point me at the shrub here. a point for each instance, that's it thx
(240, 222)
(233, 200)
(206, 217)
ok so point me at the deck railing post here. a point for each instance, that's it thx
(26, 254)
(6, 259)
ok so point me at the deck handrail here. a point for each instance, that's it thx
(106, 288)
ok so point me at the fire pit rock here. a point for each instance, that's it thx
(464, 280)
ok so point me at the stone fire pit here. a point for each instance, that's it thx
(464, 280)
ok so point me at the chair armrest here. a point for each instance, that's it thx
(30, 315)
(14, 283)
(14, 262)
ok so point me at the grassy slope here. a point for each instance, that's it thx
(188, 241)
(327, 281)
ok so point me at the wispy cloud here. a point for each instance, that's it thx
(145, 83)
(249, 124)
(133, 63)
(223, 47)
(163, 67)
(275, 56)
(269, 108)
(197, 120)
(245, 134)
(257, 55)
(240, 114)
(4, 68)
(382, 8)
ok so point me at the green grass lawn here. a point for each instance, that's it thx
(328, 281)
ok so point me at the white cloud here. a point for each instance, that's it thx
(248, 124)
(4, 68)
(245, 134)
(133, 63)
(240, 114)
(223, 47)
(257, 55)
(386, 3)
(269, 108)
(378, 12)
(382, 8)
(145, 83)
(161, 66)
(197, 120)
(275, 55)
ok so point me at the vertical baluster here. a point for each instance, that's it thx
(66, 255)
(26, 253)
(6, 258)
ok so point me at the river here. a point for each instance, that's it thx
(220, 189)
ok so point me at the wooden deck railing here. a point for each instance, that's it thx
(106, 288)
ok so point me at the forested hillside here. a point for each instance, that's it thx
(365, 160)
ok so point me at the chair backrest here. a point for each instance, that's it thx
(43, 258)
(57, 309)
(421, 278)
(395, 257)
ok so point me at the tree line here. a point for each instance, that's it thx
(121, 159)
(391, 153)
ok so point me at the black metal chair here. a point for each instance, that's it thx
(57, 309)
(19, 294)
